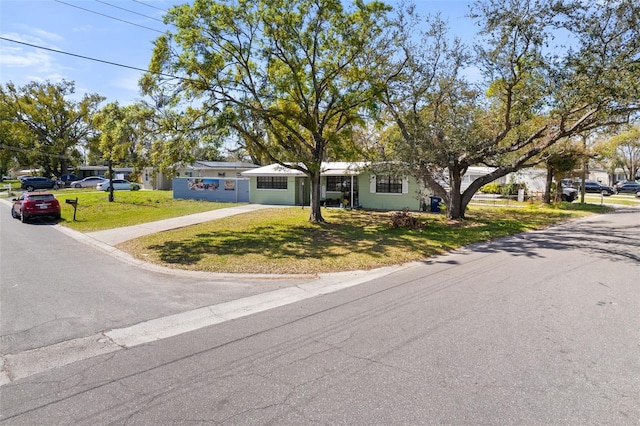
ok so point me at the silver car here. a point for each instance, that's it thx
(118, 185)
(88, 182)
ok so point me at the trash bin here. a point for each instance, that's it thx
(435, 204)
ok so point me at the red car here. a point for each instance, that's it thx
(35, 204)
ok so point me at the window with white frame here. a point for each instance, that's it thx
(272, 182)
(388, 184)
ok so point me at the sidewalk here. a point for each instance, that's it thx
(119, 235)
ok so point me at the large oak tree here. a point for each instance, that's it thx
(536, 91)
(289, 77)
(47, 124)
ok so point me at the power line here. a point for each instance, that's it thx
(108, 16)
(93, 59)
(148, 5)
(130, 11)
(185, 79)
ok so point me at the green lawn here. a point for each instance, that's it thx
(620, 199)
(95, 212)
(284, 241)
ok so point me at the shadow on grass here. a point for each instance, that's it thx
(362, 236)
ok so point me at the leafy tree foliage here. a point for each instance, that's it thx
(623, 150)
(45, 125)
(561, 159)
(12, 137)
(121, 132)
(288, 77)
(143, 134)
(536, 93)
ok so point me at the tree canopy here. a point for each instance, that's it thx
(623, 150)
(45, 124)
(536, 93)
(289, 77)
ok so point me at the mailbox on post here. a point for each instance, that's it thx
(74, 203)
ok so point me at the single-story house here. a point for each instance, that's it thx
(152, 179)
(359, 184)
(342, 183)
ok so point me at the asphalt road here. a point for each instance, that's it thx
(542, 328)
(54, 288)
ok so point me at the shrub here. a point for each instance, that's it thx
(491, 188)
(405, 219)
(512, 188)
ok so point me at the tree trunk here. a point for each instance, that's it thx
(456, 207)
(455, 210)
(64, 164)
(547, 186)
(315, 214)
(558, 195)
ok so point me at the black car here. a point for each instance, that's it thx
(31, 183)
(596, 187)
(629, 187)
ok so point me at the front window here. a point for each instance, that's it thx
(340, 183)
(389, 184)
(272, 182)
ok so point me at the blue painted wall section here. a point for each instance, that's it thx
(223, 190)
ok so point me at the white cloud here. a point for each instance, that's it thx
(46, 35)
(35, 37)
(19, 57)
(129, 82)
(26, 63)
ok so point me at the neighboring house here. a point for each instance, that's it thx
(218, 189)
(351, 184)
(85, 171)
(220, 169)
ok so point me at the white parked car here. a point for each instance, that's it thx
(118, 185)
(88, 182)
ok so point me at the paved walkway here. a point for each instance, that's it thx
(119, 235)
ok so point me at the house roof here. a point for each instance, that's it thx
(273, 170)
(222, 165)
(328, 169)
(341, 168)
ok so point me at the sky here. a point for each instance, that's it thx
(116, 31)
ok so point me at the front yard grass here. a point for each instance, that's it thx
(95, 212)
(279, 240)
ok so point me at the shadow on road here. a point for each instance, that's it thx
(596, 236)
